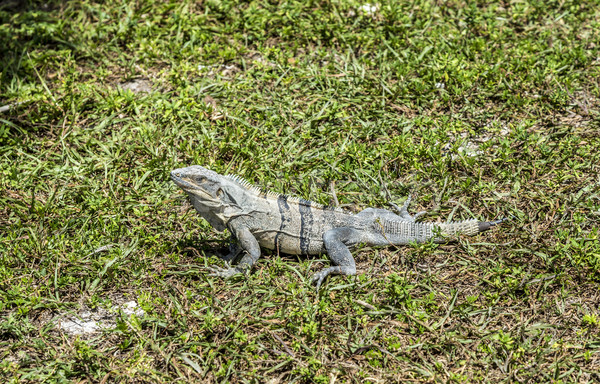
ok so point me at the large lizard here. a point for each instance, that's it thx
(296, 226)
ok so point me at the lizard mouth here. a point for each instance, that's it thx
(183, 183)
(190, 187)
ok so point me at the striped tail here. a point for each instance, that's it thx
(404, 232)
(468, 227)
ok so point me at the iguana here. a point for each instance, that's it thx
(291, 225)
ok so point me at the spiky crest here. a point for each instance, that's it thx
(274, 195)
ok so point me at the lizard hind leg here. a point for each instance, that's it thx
(336, 242)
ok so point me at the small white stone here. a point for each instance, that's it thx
(470, 149)
(369, 9)
(131, 308)
(76, 327)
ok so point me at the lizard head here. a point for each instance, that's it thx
(213, 195)
(201, 183)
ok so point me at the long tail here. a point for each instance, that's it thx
(468, 227)
(404, 232)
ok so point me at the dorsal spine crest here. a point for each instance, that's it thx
(273, 195)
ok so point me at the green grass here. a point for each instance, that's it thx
(479, 109)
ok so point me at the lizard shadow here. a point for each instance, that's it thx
(202, 248)
(198, 252)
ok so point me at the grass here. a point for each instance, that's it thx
(479, 109)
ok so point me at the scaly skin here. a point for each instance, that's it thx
(296, 226)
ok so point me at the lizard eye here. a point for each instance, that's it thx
(219, 192)
(201, 179)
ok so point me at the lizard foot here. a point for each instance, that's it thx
(319, 277)
(403, 211)
(224, 272)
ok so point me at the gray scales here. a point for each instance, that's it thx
(256, 218)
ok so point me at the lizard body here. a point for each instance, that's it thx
(256, 218)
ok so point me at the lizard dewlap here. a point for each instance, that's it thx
(256, 218)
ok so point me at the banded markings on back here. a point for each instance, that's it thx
(286, 218)
(306, 225)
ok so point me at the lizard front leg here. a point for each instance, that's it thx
(248, 244)
(337, 241)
